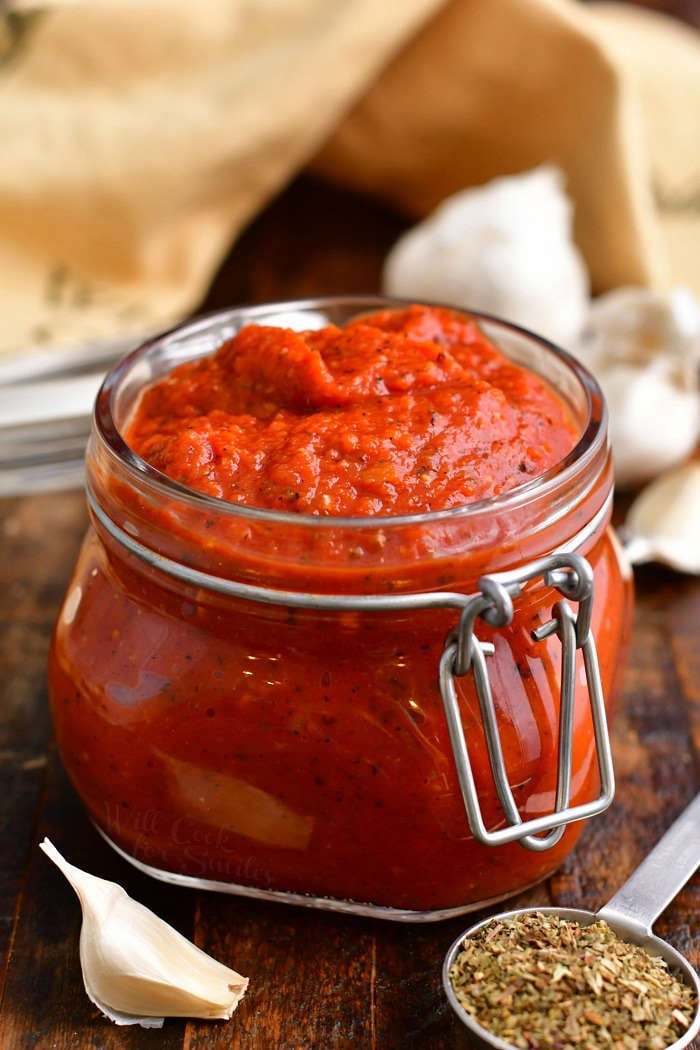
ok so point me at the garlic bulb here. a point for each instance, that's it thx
(136, 968)
(644, 349)
(504, 248)
(663, 523)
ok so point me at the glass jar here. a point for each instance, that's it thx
(399, 716)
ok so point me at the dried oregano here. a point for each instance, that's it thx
(538, 980)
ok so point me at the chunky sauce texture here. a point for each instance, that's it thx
(398, 412)
(307, 750)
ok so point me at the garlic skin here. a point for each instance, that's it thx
(663, 523)
(136, 968)
(644, 349)
(504, 248)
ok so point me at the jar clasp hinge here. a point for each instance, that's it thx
(572, 576)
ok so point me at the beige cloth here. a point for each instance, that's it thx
(139, 136)
(661, 59)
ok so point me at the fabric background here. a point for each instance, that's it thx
(140, 138)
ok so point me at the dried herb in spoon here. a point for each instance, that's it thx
(538, 980)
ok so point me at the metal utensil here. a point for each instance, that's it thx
(630, 912)
(46, 399)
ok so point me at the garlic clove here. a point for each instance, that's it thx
(232, 803)
(136, 968)
(643, 346)
(635, 325)
(663, 523)
(654, 422)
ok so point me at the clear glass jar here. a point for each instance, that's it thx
(252, 701)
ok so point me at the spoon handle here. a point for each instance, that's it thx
(660, 876)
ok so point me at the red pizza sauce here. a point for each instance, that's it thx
(241, 742)
(397, 413)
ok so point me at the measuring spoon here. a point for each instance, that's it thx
(630, 913)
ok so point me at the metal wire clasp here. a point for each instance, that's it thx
(572, 576)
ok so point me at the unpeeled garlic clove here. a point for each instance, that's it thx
(654, 420)
(663, 523)
(136, 968)
(644, 348)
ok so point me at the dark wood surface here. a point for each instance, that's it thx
(317, 980)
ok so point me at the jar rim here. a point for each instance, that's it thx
(592, 440)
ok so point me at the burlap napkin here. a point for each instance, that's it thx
(138, 138)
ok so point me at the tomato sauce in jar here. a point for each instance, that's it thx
(399, 412)
(291, 507)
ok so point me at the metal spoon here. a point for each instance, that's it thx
(630, 913)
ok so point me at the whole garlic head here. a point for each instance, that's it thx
(504, 248)
(644, 349)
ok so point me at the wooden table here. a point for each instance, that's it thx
(317, 980)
